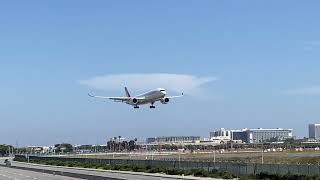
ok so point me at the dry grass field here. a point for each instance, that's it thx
(285, 157)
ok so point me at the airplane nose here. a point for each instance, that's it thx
(164, 92)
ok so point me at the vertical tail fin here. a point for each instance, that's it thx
(127, 92)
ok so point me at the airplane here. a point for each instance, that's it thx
(149, 97)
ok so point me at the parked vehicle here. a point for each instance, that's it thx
(7, 162)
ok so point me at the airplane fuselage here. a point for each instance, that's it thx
(149, 97)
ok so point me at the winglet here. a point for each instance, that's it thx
(90, 95)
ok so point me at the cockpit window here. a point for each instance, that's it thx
(162, 90)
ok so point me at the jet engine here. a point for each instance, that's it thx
(134, 101)
(165, 100)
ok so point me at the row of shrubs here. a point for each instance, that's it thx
(171, 171)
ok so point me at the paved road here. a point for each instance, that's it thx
(18, 174)
(104, 174)
(27, 171)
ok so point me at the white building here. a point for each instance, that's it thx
(41, 149)
(221, 134)
(261, 135)
(228, 135)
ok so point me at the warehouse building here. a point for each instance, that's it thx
(173, 139)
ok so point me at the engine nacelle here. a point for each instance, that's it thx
(165, 100)
(134, 101)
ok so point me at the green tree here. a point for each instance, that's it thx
(289, 143)
(63, 148)
(4, 149)
(132, 145)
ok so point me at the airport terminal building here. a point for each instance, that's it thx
(251, 135)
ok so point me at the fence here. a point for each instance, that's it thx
(235, 168)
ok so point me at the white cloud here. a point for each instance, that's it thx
(304, 91)
(189, 84)
(316, 43)
(312, 45)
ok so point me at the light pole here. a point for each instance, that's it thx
(119, 143)
(262, 156)
(214, 156)
(114, 143)
(262, 152)
(152, 155)
(179, 158)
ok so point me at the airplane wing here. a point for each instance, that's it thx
(117, 99)
(171, 97)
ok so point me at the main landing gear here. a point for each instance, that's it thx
(152, 106)
(136, 107)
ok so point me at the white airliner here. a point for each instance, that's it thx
(149, 97)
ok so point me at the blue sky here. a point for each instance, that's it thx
(261, 59)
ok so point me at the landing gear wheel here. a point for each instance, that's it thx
(152, 106)
(136, 107)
